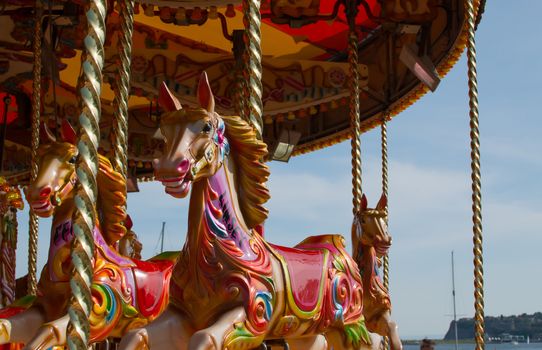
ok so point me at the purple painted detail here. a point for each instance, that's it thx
(62, 235)
(227, 226)
(108, 252)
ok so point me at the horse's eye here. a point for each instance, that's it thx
(207, 128)
(73, 160)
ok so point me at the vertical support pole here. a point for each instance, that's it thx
(385, 260)
(476, 181)
(355, 125)
(122, 88)
(33, 223)
(86, 167)
(253, 64)
(384, 144)
(239, 53)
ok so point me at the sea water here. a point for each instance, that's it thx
(489, 346)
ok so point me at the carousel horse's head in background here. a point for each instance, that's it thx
(129, 244)
(10, 196)
(370, 228)
(56, 176)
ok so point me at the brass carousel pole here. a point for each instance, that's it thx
(253, 64)
(36, 111)
(86, 167)
(355, 125)
(384, 144)
(241, 57)
(122, 88)
(385, 259)
(476, 181)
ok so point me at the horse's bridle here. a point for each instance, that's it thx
(59, 195)
(209, 153)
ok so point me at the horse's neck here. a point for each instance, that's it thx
(62, 228)
(215, 213)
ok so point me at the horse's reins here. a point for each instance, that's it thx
(58, 196)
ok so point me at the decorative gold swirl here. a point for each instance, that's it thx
(36, 111)
(476, 180)
(84, 215)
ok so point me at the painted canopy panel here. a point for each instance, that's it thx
(305, 69)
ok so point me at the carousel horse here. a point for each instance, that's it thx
(371, 242)
(126, 293)
(129, 245)
(230, 288)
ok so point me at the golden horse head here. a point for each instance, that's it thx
(56, 174)
(197, 143)
(370, 227)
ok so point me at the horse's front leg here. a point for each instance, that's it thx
(21, 327)
(212, 338)
(50, 334)
(169, 331)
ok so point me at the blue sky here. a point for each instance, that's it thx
(430, 192)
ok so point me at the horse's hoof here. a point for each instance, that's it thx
(5, 331)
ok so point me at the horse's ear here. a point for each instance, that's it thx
(382, 203)
(46, 136)
(68, 134)
(205, 95)
(363, 202)
(166, 99)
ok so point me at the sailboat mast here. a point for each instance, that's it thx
(453, 295)
(162, 237)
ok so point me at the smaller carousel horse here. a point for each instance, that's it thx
(371, 242)
(230, 288)
(126, 293)
(129, 245)
(10, 202)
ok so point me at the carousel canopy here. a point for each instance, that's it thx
(405, 48)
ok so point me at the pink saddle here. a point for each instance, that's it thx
(305, 273)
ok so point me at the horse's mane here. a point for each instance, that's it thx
(248, 153)
(111, 201)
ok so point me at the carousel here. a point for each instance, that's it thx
(97, 96)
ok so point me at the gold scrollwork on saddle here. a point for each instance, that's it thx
(286, 325)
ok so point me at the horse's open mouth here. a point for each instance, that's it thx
(382, 249)
(177, 187)
(42, 208)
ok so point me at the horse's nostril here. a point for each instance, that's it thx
(45, 191)
(183, 166)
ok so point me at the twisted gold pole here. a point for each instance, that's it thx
(253, 62)
(119, 131)
(241, 60)
(355, 125)
(476, 182)
(36, 113)
(86, 167)
(385, 260)
(384, 144)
